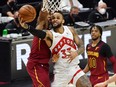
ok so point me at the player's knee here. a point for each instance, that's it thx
(83, 81)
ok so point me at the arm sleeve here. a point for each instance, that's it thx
(108, 53)
(113, 61)
(39, 33)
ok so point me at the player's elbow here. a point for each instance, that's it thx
(113, 59)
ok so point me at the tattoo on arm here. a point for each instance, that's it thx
(78, 41)
(80, 46)
(83, 81)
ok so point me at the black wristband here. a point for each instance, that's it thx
(39, 33)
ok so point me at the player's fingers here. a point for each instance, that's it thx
(55, 57)
(70, 60)
(20, 19)
(22, 23)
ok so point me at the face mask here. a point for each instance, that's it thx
(74, 15)
(102, 11)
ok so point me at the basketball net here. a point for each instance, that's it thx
(51, 5)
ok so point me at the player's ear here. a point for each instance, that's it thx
(63, 21)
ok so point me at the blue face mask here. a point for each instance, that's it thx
(74, 15)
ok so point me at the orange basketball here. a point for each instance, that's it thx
(27, 13)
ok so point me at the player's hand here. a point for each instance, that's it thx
(71, 55)
(55, 58)
(42, 19)
(42, 16)
(22, 23)
(102, 84)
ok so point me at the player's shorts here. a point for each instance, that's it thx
(66, 76)
(98, 78)
(39, 74)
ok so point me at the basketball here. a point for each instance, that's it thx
(27, 13)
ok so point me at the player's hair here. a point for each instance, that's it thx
(98, 27)
(74, 7)
(60, 12)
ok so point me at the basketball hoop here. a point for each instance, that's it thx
(51, 5)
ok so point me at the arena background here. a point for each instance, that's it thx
(16, 74)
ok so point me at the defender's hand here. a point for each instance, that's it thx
(42, 16)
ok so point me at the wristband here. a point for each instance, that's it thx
(39, 33)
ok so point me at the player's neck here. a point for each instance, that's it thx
(95, 42)
(60, 30)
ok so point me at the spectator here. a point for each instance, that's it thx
(72, 17)
(11, 10)
(98, 52)
(101, 13)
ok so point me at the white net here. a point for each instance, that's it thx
(52, 5)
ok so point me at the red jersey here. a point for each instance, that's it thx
(96, 61)
(38, 63)
(40, 52)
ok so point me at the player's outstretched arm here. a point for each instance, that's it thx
(39, 33)
(42, 20)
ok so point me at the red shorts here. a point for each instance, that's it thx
(99, 78)
(39, 74)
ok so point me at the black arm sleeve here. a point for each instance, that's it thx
(39, 33)
(106, 51)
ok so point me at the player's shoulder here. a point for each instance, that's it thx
(49, 34)
(104, 44)
(71, 28)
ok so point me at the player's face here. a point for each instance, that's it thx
(95, 33)
(57, 20)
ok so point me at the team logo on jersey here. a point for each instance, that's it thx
(88, 47)
(61, 43)
(96, 48)
(100, 77)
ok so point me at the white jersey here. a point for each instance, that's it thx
(61, 44)
(65, 72)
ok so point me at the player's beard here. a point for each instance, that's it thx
(95, 38)
(56, 26)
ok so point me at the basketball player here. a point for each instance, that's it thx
(98, 52)
(37, 65)
(63, 41)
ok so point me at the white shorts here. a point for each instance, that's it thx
(63, 77)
